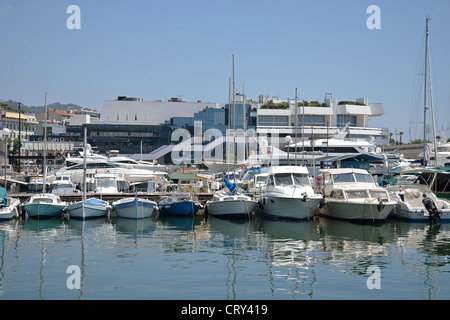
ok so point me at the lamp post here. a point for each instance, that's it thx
(5, 132)
(288, 140)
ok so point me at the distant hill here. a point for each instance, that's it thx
(37, 109)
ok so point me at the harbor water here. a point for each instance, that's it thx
(206, 258)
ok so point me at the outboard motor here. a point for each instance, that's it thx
(429, 204)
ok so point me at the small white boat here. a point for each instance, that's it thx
(226, 204)
(409, 193)
(110, 183)
(134, 208)
(90, 208)
(288, 194)
(352, 194)
(8, 206)
(44, 205)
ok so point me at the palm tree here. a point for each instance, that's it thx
(401, 133)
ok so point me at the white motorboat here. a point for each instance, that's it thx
(409, 192)
(352, 194)
(36, 184)
(110, 183)
(288, 194)
(44, 205)
(226, 204)
(8, 206)
(134, 208)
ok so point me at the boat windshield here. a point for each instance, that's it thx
(378, 194)
(353, 177)
(356, 194)
(367, 178)
(289, 179)
(107, 182)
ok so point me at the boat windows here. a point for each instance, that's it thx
(283, 179)
(378, 194)
(356, 194)
(343, 177)
(42, 200)
(337, 194)
(360, 177)
(301, 179)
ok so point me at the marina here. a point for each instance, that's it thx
(301, 179)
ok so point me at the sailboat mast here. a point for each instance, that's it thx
(234, 127)
(425, 94)
(431, 102)
(296, 125)
(45, 146)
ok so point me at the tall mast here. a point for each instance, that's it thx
(425, 94)
(296, 124)
(45, 145)
(431, 101)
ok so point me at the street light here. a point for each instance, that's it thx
(5, 132)
(288, 140)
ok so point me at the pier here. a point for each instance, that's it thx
(73, 197)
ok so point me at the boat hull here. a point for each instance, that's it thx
(405, 213)
(181, 208)
(356, 211)
(288, 208)
(232, 208)
(134, 208)
(91, 208)
(11, 210)
(44, 210)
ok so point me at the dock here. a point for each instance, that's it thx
(111, 197)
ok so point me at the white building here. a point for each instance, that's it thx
(126, 110)
(320, 120)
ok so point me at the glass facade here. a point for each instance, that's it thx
(311, 120)
(342, 120)
(270, 120)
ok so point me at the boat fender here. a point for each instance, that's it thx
(322, 204)
(260, 204)
(206, 210)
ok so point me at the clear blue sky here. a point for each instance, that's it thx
(183, 48)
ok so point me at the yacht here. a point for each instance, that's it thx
(288, 194)
(132, 175)
(227, 204)
(352, 194)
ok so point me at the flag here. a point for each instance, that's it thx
(242, 166)
(395, 150)
(230, 186)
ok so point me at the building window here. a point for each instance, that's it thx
(273, 120)
(311, 120)
(342, 120)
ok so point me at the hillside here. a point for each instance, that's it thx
(37, 109)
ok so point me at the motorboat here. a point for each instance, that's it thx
(62, 181)
(134, 208)
(352, 194)
(227, 204)
(8, 206)
(44, 205)
(409, 192)
(36, 184)
(288, 194)
(87, 209)
(178, 205)
(110, 183)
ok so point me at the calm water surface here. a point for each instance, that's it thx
(196, 258)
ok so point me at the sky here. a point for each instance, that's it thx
(183, 48)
